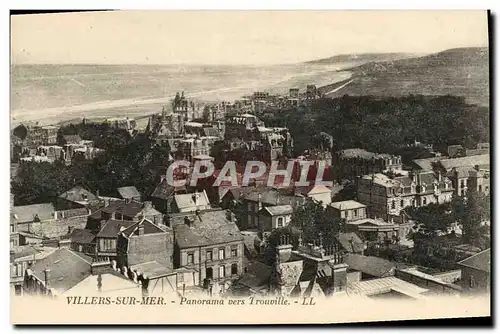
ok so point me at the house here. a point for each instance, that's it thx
(25, 215)
(387, 195)
(20, 238)
(57, 272)
(128, 210)
(83, 241)
(316, 192)
(476, 273)
(348, 210)
(210, 243)
(274, 217)
(378, 230)
(70, 139)
(22, 258)
(191, 202)
(356, 162)
(465, 178)
(77, 197)
(106, 238)
(130, 193)
(163, 196)
(146, 243)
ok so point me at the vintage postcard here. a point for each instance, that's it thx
(249, 167)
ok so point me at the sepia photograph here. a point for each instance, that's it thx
(249, 167)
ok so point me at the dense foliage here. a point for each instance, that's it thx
(387, 124)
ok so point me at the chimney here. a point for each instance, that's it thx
(47, 278)
(259, 199)
(284, 249)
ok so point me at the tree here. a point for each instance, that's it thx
(430, 220)
(312, 219)
(476, 211)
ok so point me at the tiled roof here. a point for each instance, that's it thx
(371, 265)
(347, 205)
(128, 192)
(67, 268)
(163, 190)
(82, 236)
(483, 159)
(279, 210)
(26, 213)
(207, 228)
(151, 228)
(258, 274)
(480, 261)
(351, 242)
(112, 228)
(78, 194)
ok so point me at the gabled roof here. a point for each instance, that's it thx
(82, 236)
(279, 210)
(207, 228)
(149, 228)
(78, 194)
(351, 242)
(257, 275)
(480, 261)
(113, 227)
(27, 213)
(67, 268)
(347, 205)
(128, 192)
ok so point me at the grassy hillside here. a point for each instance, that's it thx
(462, 72)
(362, 58)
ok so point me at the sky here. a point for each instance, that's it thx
(236, 37)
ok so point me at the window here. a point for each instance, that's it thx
(393, 204)
(107, 244)
(12, 228)
(402, 204)
(209, 273)
(355, 212)
(462, 183)
(234, 252)
(463, 192)
(209, 255)
(221, 254)
(472, 282)
(190, 258)
(234, 269)
(280, 222)
(222, 271)
(480, 188)
(424, 201)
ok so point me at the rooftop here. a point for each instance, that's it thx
(112, 227)
(78, 194)
(351, 242)
(193, 200)
(483, 159)
(347, 205)
(128, 192)
(279, 210)
(370, 265)
(207, 228)
(480, 261)
(27, 213)
(364, 154)
(82, 236)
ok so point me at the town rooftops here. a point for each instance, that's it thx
(483, 159)
(363, 154)
(128, 192)
(29, 213)
(131, 208)
(427, 164)
(347, 205)
(205, 229)
(67, 268)
(79, 195)
(480, 261)
(150, 228)
(277, 210)
(257, 275)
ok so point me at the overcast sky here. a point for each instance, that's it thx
(230, 37)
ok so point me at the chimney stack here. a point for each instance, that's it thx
(47, 278)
